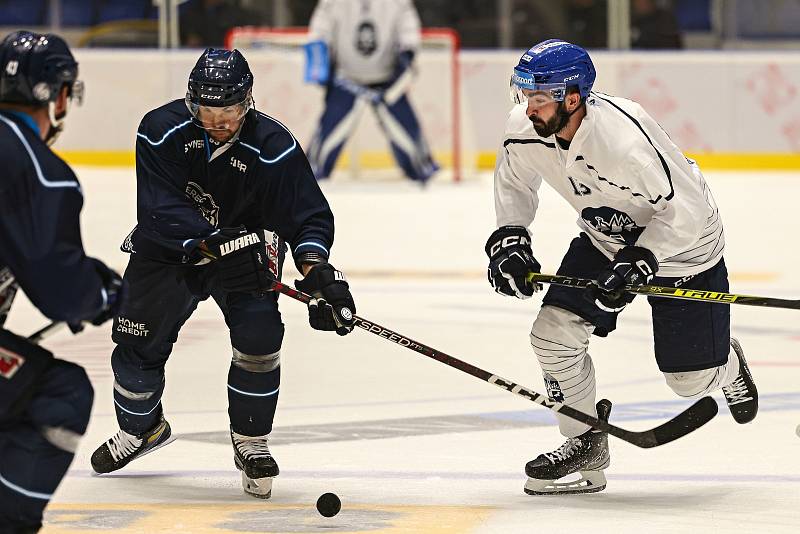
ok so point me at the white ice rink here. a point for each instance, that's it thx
(411, 445)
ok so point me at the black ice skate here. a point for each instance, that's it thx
(258, 467)
(741, 394)
(586, 455)
(122, 448)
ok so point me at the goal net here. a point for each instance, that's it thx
(277, 60)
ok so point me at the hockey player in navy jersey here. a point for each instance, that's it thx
(646, 215)
(218, 179)
(363, 52)
(44, 402)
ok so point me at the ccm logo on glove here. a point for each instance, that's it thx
(509, 241)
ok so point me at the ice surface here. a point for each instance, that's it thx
(411, 445)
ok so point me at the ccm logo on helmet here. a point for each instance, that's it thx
(238, 243)
(211, 97)
(568, 78)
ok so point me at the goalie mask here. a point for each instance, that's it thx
(220, 88)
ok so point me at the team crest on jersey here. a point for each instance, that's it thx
(205, 202)
(366, 38)
(10, 363)
(613, 223)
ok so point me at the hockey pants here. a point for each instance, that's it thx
(691, 340)
(159, 303)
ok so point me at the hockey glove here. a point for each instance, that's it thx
(332, 307)
(510, 261)
(115, 291)
(241, 259)
(633, 266)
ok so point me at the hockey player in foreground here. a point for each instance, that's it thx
(218, 179)
(363, 51)
(646, 215)
(44, 402)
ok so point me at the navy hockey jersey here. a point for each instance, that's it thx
(188, 185)
(40, 238)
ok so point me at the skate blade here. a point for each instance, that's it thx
(164, 444)
(589, 482)
(148, 451)
(260, 488)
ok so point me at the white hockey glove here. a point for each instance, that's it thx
(510, 261)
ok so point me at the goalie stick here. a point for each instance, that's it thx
(697, 295)
(685, 422)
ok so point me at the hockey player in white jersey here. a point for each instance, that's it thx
(363, 52)
(646, 215)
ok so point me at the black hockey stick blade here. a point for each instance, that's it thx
(697, 295)
(687, 421)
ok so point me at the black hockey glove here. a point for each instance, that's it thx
(332, 307)
(510, 261)
(634, 266)
(241, 259)
(115, 291)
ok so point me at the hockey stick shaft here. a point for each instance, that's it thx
(697, 295)
(694, 417)
(47, 331)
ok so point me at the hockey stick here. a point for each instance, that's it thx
(46, 331)
(53, 327)
(685, 422)
(701, 295)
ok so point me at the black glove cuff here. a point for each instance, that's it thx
(309, 258)
(320, 275)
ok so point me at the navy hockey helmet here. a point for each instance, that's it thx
(35, 67)
(550, 67)
(220, 78)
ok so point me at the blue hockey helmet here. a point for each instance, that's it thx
(34, 67)
(220, 78)
(549, 68)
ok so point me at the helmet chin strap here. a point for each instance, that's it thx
(56, 124)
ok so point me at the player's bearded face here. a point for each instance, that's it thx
(552, 125)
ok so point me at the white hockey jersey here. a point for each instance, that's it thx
(626, 179)
(365, 36)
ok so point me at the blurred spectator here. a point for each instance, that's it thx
(300, 11)
(474, 20)
(588, 23)
(205, 22)
(536, 20)
(653, 25)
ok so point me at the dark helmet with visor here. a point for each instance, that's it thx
(34, 68)
(220, 79)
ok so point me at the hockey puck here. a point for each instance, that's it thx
(328, 504)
